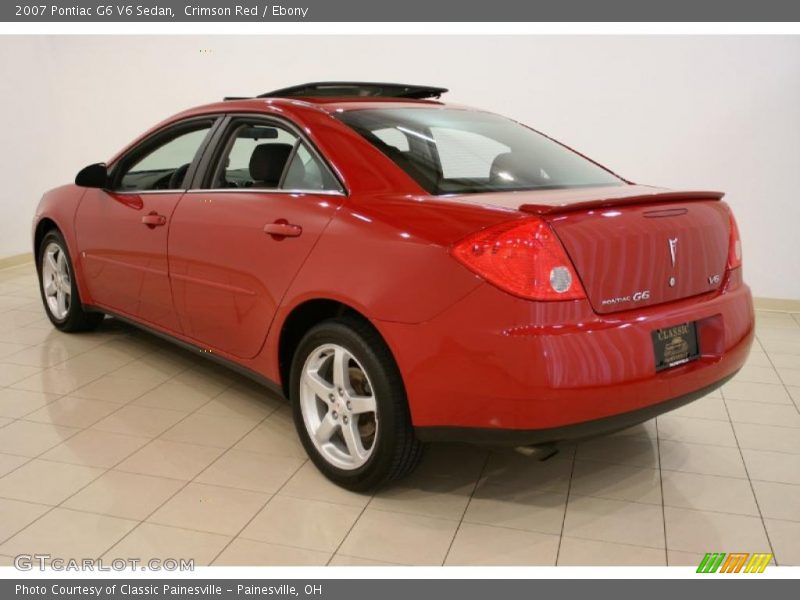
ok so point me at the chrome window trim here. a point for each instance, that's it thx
(285, 123)
(265, 191)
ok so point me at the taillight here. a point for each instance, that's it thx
(523, 258)
(734, 247)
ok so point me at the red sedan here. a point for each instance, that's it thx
(403, 271)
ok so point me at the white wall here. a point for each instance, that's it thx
(684, 112)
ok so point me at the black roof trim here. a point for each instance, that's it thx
(359, 89)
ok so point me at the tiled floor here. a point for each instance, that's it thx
(116, 444)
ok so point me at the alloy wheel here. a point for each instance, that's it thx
(56, 281)
(338, 406)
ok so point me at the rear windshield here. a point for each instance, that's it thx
(458, 151)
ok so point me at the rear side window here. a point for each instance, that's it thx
(451, 151)
(266, 156)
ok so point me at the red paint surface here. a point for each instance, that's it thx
(470, 354)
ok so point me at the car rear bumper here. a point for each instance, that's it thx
(496, 368)
(564, 433)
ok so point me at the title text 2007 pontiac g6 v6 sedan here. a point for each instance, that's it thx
(403, 271)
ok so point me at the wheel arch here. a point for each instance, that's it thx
(301, 319)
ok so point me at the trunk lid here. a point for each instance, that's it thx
(636, 255)
(622, 239)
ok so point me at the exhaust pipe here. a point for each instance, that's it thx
(540, 453)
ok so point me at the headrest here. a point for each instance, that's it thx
(267, 162)
(513, 168)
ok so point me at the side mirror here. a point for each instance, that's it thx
(93, 176)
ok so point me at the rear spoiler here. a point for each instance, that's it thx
(650, 198)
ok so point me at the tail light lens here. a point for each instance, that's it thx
(735, 247)
(523, 258)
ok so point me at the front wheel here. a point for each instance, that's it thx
(350, 407)
(58, 288)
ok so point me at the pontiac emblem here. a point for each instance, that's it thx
(673, 249)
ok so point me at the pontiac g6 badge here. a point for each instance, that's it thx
(673, 249)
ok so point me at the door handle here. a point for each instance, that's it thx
(154, 219)
(282, 229)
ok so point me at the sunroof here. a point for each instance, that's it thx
(357, 89)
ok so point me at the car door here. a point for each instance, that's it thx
(122, 231)
(237, 241)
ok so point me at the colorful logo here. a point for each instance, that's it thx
(735, 562)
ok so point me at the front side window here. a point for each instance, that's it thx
(460, 151)
(266, 156)
(164, 165)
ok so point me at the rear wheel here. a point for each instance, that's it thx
(350, 407)
(58, 288)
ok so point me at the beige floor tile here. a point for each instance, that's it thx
(785, 538)
(173, 460)
(699, 458)
(95, 448)
(700, 531)
(154, 369)
(772, 466)
(31, 439)
(310, 484)
(484, 545)
(302, 523)
(9, 462)
(510, 469)
(68, 534)
(111, 388)
(18, 403)
(696, 431)
(125, 495)
(439, 497)
(46, 482)
(12, 374)
(778, 500)
(243, 553)
(789, 376)
(5, 421)
(516, 508)
(767, 437)
(246, 402)
(275, 437)
(17, 515)
(209, 430)
(174, 396)
(342, 560)
(139, 420)
(708, 407)
(755, 374)
(6, 561)
(250, 471)
(779, 415)
(150, 541)
(794, 392)
(210, 508)
(618, 482)
(207, 377)
(614, 521)
(708, 492)
(633, 451)
(73, 412)
(577, 552)
(784, 361)
(758, 359)
(676, 558)
(399, 538)
(756, 392)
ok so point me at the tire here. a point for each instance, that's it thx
(384, 441)
(59, 273)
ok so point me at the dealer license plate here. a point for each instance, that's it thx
(676, 345)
